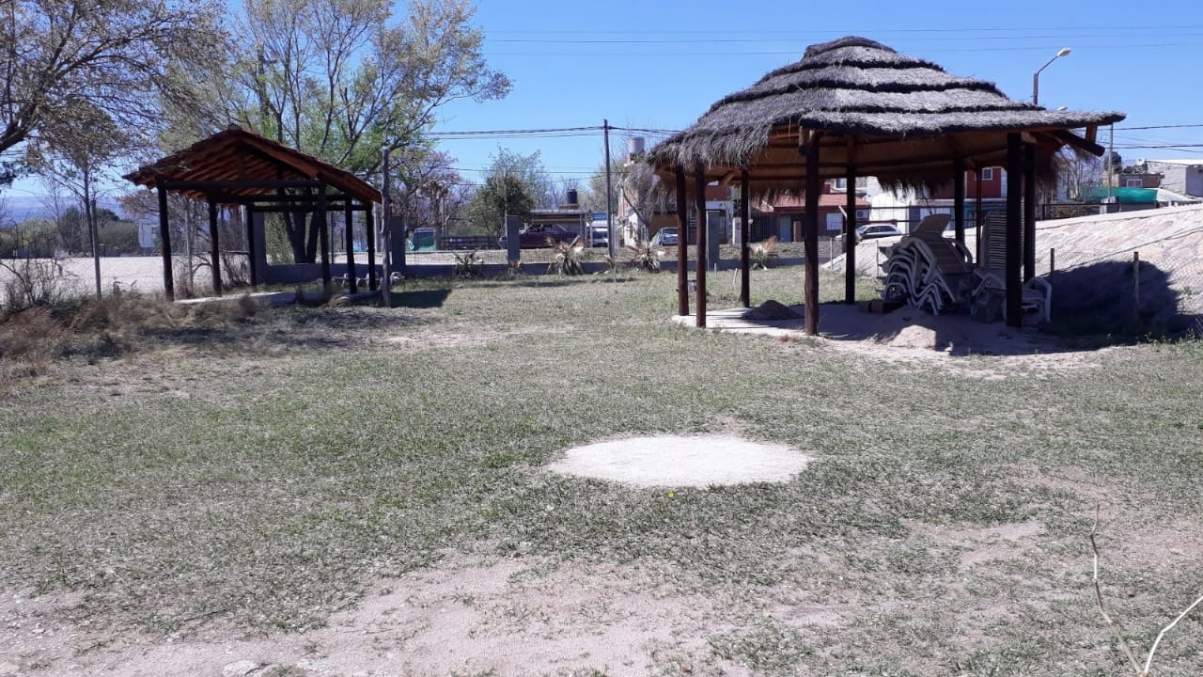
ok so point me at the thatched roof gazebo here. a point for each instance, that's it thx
(854, 107)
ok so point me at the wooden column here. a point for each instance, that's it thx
(810, 231)
(745, 231)
(682, 245)
(370, 222)
(1029, 212)
(1014, 283)
(699, 181)
(250, 246)
(958, 199)
(214, 248)
(349, 226)
(165, 242)
(324, 240)
(978, 217)
(850, 237)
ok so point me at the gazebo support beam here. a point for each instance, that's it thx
(324, 242)
(1029, 212)
(349, 232)
(165, 243)
(745, 231)
(1014, 285)
(370, 223)
(958, 198)
(214, 248)
(699, 180)
(810, 228)
(682, 244)
(978, 218)
(850, 237)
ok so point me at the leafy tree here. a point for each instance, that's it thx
(118, 56)
(514, 184)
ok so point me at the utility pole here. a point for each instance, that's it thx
(386, 289)
(612, 241)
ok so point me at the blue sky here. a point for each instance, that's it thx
(661, 63)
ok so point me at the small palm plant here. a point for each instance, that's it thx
(567, 258)
(645, 257)
(469, 265)
(762, 253)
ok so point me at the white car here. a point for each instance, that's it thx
(876, 230)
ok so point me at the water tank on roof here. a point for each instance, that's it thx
(572, 197)
(635, 147)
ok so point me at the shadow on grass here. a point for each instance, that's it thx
(420, 298)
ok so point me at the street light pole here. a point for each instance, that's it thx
(1063, 52)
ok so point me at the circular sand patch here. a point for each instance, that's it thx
(680, 461)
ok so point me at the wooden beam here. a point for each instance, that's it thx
(1014, 285)
(323, 218)
(958, 198)
(745, 231)
(236, 184)
(811, 234)
(682, 244)
(1029, 212)
(850, 237)
(349, 238)
(214, 248)
(1088, 145)
(370, 222)
(1092, 133)
(699, 180)
(250, 245)
(978, 218)
(165, 245)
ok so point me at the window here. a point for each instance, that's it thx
(1134, 182)
(841, 184)
(987, 173)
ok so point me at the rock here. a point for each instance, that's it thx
(239, 668)
(770, 311)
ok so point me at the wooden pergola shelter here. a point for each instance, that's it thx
(240, 169)
(855, 107)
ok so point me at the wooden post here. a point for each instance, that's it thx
(1136, 283)
(1052, 261)
(1014, 284)
(682, 245)
(324, 240)
(250, 246)
(165, 241)
(1029, 212)
(850, 237)
(978, 218)
(745, 231)
(386, 208)
(958, 199)
(349, 226)
(810, 227)
(369, 221)
(699, 181)
(214, 247)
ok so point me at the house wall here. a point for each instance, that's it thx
(992, 185)
(1179, 177)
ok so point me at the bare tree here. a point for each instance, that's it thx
(75, 151)
(116, 55)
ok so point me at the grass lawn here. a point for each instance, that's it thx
(301, 470)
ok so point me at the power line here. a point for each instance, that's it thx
(1134, 129)
(832, 31)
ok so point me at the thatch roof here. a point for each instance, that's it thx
(891, 106)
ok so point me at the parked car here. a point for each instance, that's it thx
(536, 236)
(665, 237)
(876, 230)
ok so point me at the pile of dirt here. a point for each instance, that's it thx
(771, 311)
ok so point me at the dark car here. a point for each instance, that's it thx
(665, 237)
(537, 235)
